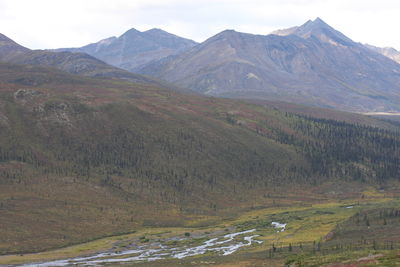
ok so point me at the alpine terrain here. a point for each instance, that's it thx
(133, 49)
(100, 166)
(76, 63)
(312, 64)
(389, 52)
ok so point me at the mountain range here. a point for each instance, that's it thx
(133, 49)
(89, 150)
(312, 64)
(75, 63)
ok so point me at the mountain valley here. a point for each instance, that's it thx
(100, 166)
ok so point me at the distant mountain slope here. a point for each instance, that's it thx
(75, 63)
(319, 29)
(312, 64)
(389, 52)
(134, 49)
(9, 48)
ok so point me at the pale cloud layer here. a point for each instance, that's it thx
(72, 23)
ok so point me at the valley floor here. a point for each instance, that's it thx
(351, 232)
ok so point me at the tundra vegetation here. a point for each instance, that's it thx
(106, 163)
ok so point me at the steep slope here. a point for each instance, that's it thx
(312, 64)
(82, 157)
(389, 52)
(9, 48)
(76, 63)
(134, 49)
(318, 29)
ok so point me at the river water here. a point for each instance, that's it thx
(224, 245)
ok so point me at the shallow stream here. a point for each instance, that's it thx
(224, 245)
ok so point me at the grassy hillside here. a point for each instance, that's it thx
(82, 158)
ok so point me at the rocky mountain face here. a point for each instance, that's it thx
(75, 63)
(134, 49)
(389, 52)
(312, 64)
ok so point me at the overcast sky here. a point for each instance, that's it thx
(72, 23)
